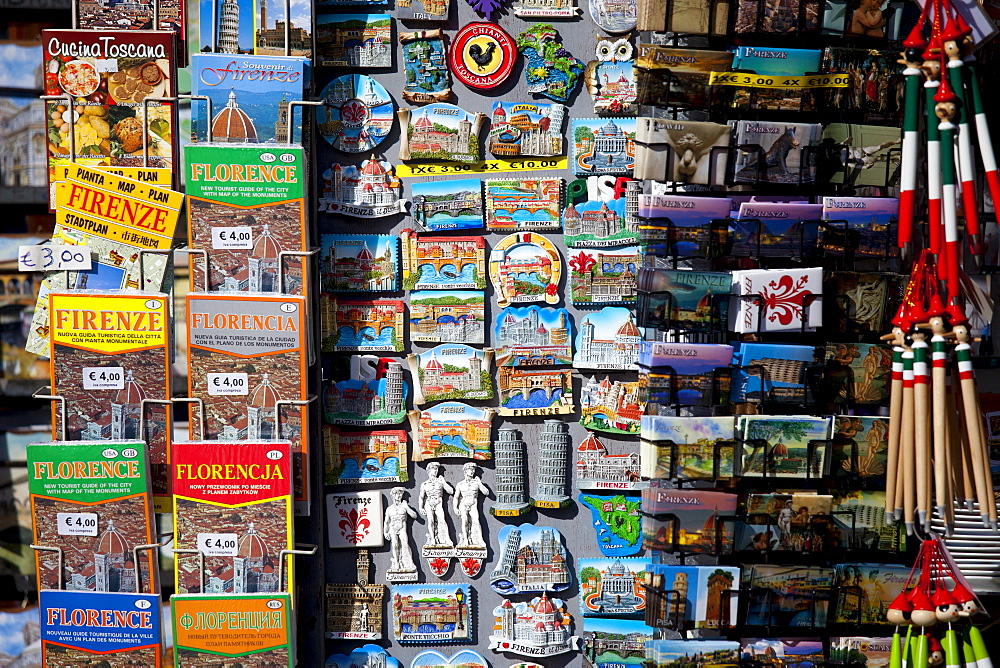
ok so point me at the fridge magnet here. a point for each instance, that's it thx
(366, 655)
(614, 16)
(545, 9)
(604, 218)
(551, 483)
(354, 610)
(611, 79)
(353, 40)
(523, 204)
(612, 587)
(422, 10)
(608, 339)
(539, 627)
(525, 267)
(450, 430)
(451, 371)
(611, 405)
(533, 336)
(454, 316)
(440, 131)
(425, 67)
(617, 523)
(361, 326)
(482, 55)
(603, 146)
(352, 519)
(525, 392)
(619, 642)
(596, 468)
(358, 113)
(397, 531)
(550, 69)
(443, 263)
(512, 482)
(470, 547)
(438, 548)
(363, 457)
(374, 393)
(599, 277)
(533, 559)
(448, 205)
(532, 129)
(466, 658)
(370, 191)
(423, 613)
(359, 263)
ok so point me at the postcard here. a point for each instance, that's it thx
(680, 653)
(690, 374)
(775, 300)
(863, 651)
(865, 591)
(868, 299)
(785, 650)
(617, 523)
(532, 336)
(685, 448)
(872, 156)
(776, 62)
(603, 146)
(696, 518)
(788, 595)
(454, 316)
(359, 263)
(874, 77)
(872, 220)
(695, 301)
(777, 229)
(797, 522)
(361, 41)
(772, 372)
(868, 528)
(784, 442)
(786, 17)
(684, 151)
(775, 152)
(448, 205)
(254, 26)
(612, 587)
(675, 225)
(869, 366)
(670, 76)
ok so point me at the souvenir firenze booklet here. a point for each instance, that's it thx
(867, 301)
(681, 151)
(202, 624)
(776, 62)
(246, 206)
(697, 596)
(777, 229)
(697, 518)
(785, 650)
(689, 374)
(872, 156)
(111, 351)
(866, 224)
(92, 500)
(233, 502)
(860, 446)
(791, 16)
(246, 363)
(694, 452)
(874, 76)
(256, 27)
(867, 367)
(694, 301)
(675, 225)
(775, 152)
(669, 76)
(869, 528)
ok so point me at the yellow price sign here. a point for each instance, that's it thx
(775, 81)
(483, 167)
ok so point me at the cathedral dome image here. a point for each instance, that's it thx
(251, 545)
(232, 124)
(629, 328)
(131, 393)
(266, 247)
(264, 395)
(111, 541)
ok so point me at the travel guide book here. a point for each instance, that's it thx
(776, 229)
(246, 362)
(246, 206)
(250, 97)
(109, 353)
(233, 502)
(92, 500)
(218, 629)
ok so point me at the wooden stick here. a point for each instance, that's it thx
(906, 445)
(970, 402)
(895, 421)
(921, 432)
(939, 406)
(960, 447)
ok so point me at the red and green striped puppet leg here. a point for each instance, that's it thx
(983, 132)
(949, 188)
(934, 235)
(966, 171)
(911, 154)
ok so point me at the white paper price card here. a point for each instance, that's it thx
(103, 378)
(227, 384)
(232, 238)
(53, 257)
(217, 544)
(76, 524)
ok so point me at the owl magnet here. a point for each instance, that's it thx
(611, 79)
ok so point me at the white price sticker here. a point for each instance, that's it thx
(106, 64)
(232, 238)
(227, 384)
(77, 524)
(53, 257)
(217, 544)
(103, 378)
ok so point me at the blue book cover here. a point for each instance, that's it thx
(84, 627)
(777, 373)
(781, 62)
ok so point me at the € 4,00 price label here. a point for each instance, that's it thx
(76, 524)
(232, 238)
(775, 81)
(104, 378)
(218, 544)
(228, 384)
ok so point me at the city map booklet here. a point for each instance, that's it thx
(220, 629)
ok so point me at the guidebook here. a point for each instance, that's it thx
(202, 624)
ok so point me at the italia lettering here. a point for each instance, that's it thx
(123, 619)
(120, 209)
(229, 472)
(244, 173)
(272, 323)
(108, 321)
(86, 470)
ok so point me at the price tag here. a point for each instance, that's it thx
(217, 544)
(227, 384)
(77, 524)
(53, 257)
(106, 64)
(232, 238)
(103, 378)
(833, 80)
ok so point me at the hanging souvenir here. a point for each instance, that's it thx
(369, 191)
(396, 527)
(523, 204)
(614, 16)
(605, 217)
(422, 10)
(358, 113)
(361, 326)
(607, 276)
(533, 336)
(369, 390)
(603, 146)
(617, 524)
(528, 9)
(612, 587)
(359, 263)
(451, 430)
(340, 43)
(532, 129)
(516, 627)
(453, 316)
(610, 405)
(525, 392)
(596, 468)
(511, 474)
(440, 131)
(364, 457)
(482, 55)
(424, 64)
(353, 519)
(366, 655)
(551, 483)
(354, 610)
(443, 263)
(424, 613)
(465, 658)
(608, 339)
(525, 267)
(451, 371)
(532, 558)
(550, 69)
(448, 205)
(611, 79)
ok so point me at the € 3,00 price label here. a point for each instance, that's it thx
(775, 81)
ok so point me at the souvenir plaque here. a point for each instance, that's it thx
(354, 609)
(424, 613)
(603, 146)
(612, 587)
(425, 68)
(525, 267)
(526, 128)
(353, 519)
(455, 316)
(523, 204)
(371, 190)
(482, 55)
(397, 529)
(443, 263)
(530, 558)
(465, 658)
(366, 655)
(359, 263)
(361, 326)
(533, 336)
(374, 392)
(451, 371)
(611, 79)
(608, 339)
(596, 468)
(613, 406)
(516, 627)
(604, 218)
(550, 69)
(614, 16)
(440, 131)
(617, 524)
(358, 113)
(604, 276)
(525, 392)
(364, 457)
(451, 430)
